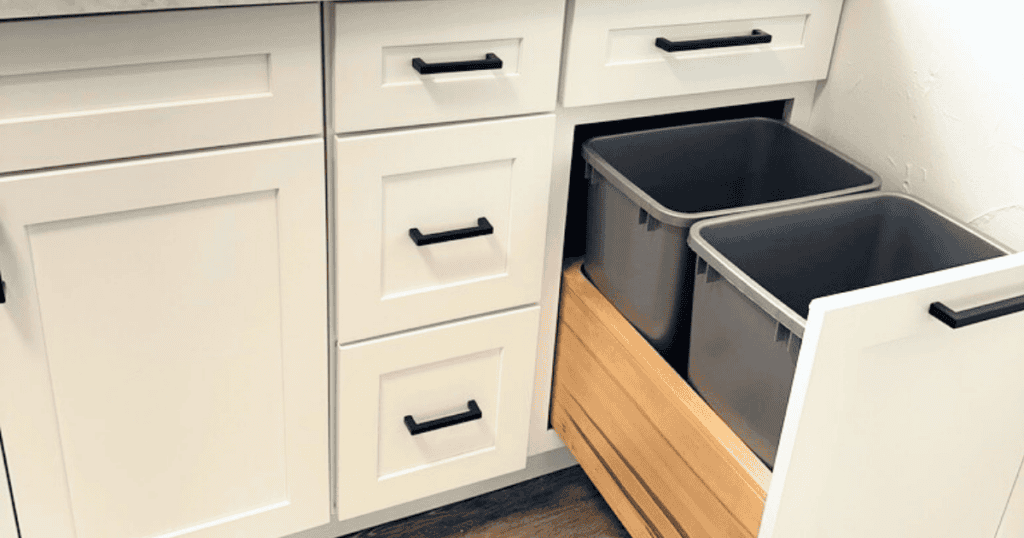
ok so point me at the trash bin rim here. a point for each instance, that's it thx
(681, 219)
(761, 296)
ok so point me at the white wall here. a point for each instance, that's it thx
(930, 95)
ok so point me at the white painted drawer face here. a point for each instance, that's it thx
(377, 85)
(429, 375)
(92, 88)
(612, 53)
(438, 180)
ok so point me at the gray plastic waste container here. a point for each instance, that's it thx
(647, 188)
(758, 272)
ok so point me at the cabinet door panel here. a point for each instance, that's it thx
(378, 86)
(426, 375)
(612, 52)
(894, 417)
(82, 89)
(169, 325)
(437, 180)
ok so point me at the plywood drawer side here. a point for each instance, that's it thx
(665, 462)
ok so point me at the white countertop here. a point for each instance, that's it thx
(19, 9)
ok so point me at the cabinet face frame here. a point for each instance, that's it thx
(283, 186)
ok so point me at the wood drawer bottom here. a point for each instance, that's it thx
(662, 459)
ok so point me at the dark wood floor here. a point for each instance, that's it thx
(559, 505)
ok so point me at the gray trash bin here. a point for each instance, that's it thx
(758, 272)
(647, 188)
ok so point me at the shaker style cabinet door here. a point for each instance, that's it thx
(91, 88)
(440, 223)
(898, 424)
(645, 49)
(413, 63)
(433, 409)
(165, 347)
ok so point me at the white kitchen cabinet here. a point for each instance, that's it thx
(434, 409)
(444, 60)
(645, 49)
(486, 181)
(899, 425)
(165, 345)
(82, 89)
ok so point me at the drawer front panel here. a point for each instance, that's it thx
(437, 181)
(377, 85)
(430, 375)
(613, 53)
(126, 85)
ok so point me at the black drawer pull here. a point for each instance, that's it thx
(755, 37)
(443, 422)
(978, 314)
(3, 297)
(482, 228)
(490, 61)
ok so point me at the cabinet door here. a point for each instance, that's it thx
(83, 89)
(378, 85)
(432, 410)
(478, 192)
(899, 425)
(165, 346)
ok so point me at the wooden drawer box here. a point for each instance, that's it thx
(663, 460)
(438, 180)
(378, 86)
(613, 49)
(389, 389)
(82, 89)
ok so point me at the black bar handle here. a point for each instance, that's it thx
(3, 296)
(755, 37)
(490, 61)
(443, 422)
(978, 314)
(483, 227)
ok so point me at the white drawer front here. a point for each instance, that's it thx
(377, 86)
(428, 375)
(612, 53)
(437, 180)
(92, 88)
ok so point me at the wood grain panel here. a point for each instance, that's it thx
(670, 465)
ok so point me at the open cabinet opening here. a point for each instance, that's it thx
(576, 214)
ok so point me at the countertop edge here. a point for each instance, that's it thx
(11, 10)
